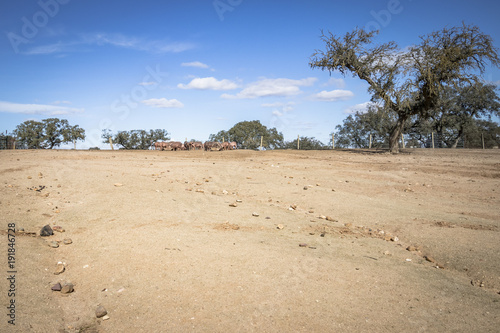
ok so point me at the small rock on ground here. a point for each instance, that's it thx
(59, 269)
(46, 231)
(54, 244)
(100, 311)
(67, 288)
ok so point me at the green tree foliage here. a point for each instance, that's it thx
(305, 143)
(356, 129)
(457, 111)
(135, 139)
(48, 133)
(479, 130)
(409, 83)
(247, 134)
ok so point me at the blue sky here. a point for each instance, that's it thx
(197, 67)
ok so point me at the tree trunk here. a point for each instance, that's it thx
(455, 143)
(395, 135)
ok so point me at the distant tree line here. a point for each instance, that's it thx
(460, 116)
(135, 139)
(47, 134)
(250, 134)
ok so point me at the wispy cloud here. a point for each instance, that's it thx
(337, 83)
(41, 109)
(209, 83)
(272, 87)
(151, 83)
(61, 102)
(333, 96)
(116, 40)
(195, 64)
(361, 108)
(280, 109)
(162, 103)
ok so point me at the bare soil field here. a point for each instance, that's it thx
(247, 241)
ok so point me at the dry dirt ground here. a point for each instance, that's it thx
(158, 244)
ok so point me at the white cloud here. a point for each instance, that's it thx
(209, 83)
(362, 108)
(61, 102)
(272, 87)
(50, 110)
(162, 103)
(334, 95)
(195, 64)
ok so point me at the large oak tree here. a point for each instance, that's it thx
(408, 82)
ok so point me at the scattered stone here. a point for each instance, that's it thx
(387, 253)
(280, 226)
(234, 204)
(395, 239)
(106, 317)
(46, 231)
(311, 211)
(67, 288)
(411, 248)
(67, 241)
(348, 225)
(58, 228)
(225, 192)
(100, 312)
(255, 214)
(29, 177)
(54, 244)
(294, 207)
(430, 259)
(268, 217)
(56, 287)
(322, 217)
(303, 245)
(331, 219)
(40, 175)
(118, 184)
(200, 191)
(312, 247)
(60, 268)
(408, 260)
(323, 234)
(306, 187)
(239, 201)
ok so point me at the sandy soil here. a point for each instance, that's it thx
(156, 242)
